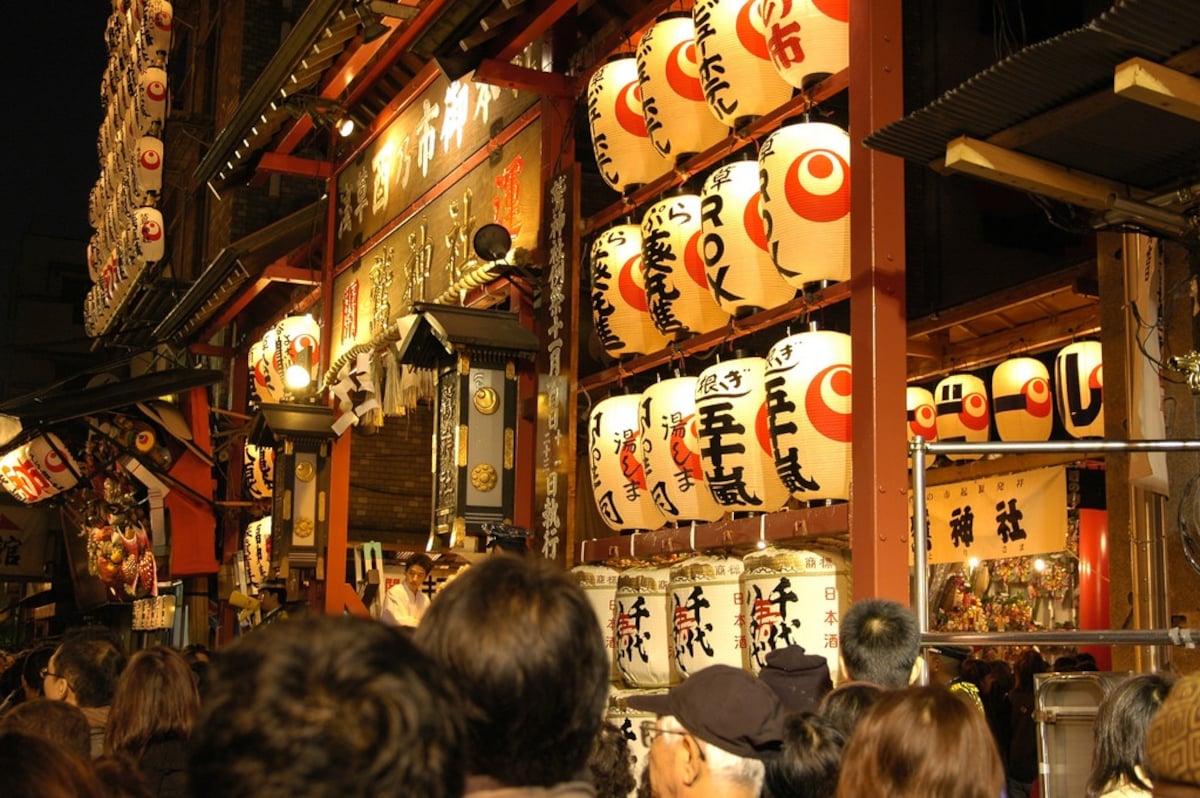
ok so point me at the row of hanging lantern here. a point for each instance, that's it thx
(745, 435)
(283, 363)
(1021, 404)
(128, 228)
(695, 76)
(757, 232)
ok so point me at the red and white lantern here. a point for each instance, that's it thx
(922, 418)
(258, 471)
(739, 80)
(147, 170)
(150, 106)
(808, 39)
(618, 476)
(808, 380)
(671, 452)
(737, 258)
(620, 310)
(1021, 400)
(677, 118)
(624, 155)
(804, 174)
(963, 411)
(643, 619)
(38, 469)
(735, 437)
(257, 548)
(147, 243)
(1079, 388)
(707, 624)
(677, 291)
(266, 383)
(297, 342)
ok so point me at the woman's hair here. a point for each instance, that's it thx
(843, 706)
(156, 699)
(611, 762)
(913, 743)
(1029, 663)
(35, 767)
(1120, 731)
(808, 764)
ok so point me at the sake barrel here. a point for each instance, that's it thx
(643, 627)
(706, 613)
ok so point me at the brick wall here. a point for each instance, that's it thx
(391, 482)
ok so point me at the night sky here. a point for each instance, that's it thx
(53, 60)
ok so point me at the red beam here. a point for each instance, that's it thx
(495, 72)
(280, 163)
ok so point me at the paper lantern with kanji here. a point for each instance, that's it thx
(794, 598)
(38, 469)
(147, 242)
(620, 310)
(739, 80)
(735, 436)
(625, 157)
(615, 457)
(737, 260)
(257, 548)
(808, 404)
(297, 342)
(677, 118)
(1021, 400)
(599, 583)
(921, 411)
(146, 186)
(1079, 388)
(258, 471)
(264, 381)
(808, 39)
(963, 412)
(677, 289)
(643, 619)
(804, 174)
(706, 613)
(671, 452)
(149, 109)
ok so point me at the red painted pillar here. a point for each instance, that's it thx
(1094, 580)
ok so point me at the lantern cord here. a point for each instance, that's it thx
(692, 537)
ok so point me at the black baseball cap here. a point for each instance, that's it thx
(723, 706)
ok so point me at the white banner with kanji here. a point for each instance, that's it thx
(1007, 515)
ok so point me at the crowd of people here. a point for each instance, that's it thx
(501, 690)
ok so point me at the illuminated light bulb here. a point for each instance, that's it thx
(345, 127)
(973, 563)
(1039, 564)
(297, 377)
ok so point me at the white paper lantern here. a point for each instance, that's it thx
(677, 118)
(794, 598)
(735, 437)
(599, 583)
(297, 342)
(737, 258)
(739, 80)
(643, 619)
(706, 613)
(677, 291)
(38, 469)
(148, 244)
(808, 380)
(624, 155)
(671, 452)
(1079, 388)
(963, 412)
(265, 381)
(258, 471)
(257, 548)
(809, 39)
(620, 310)
(804, 174)
(922, 418)
(150, 106)
(618, 476)
(147, 170)
(1021, 400)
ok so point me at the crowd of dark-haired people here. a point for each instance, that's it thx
(502, 690)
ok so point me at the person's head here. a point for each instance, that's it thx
(519, 637)
(417, 570)
(326, 706)
(1120, 732)
(808, 765)
(1066, 664)
(945, 662)
(914, 743)
(84, 670)
(35, 767)
(801, 680)
(1028, 664)
(156, 699)
(999, 679)
(845, 704)
(1173, 740)
(712, 734)
(1085, 661)
(879, 641)
(58, 721)
(611, 762)
(31, 670)
(272, 596)
(121, 777)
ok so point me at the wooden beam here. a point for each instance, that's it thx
(998, 165)
(281, 163)
(505, 74)
(1162, 87)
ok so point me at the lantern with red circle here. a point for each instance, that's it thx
(147, 170)
(150, 103)
(296, 354)
(618, 474)
(922, 418)
(740, 272)
(620, 312)
(38, 469)
(1079, 388)
(671, 452)
(677, 291)
(147, 243)
(804, 174)
(739, 81)
(677, 118)
(264, 382)
(808, 39)
(1021, 400)
(735, 436)
(963, 412)
(808, 379)
(624, 155)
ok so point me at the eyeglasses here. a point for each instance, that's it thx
(650, 732)
(47, 672)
